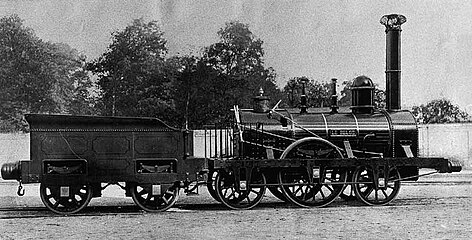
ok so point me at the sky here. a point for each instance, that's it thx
(319, 39)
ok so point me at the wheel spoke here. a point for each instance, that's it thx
(368, 192)
(384, 193)
(142, 192)
(329, 188)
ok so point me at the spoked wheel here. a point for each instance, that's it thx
(65, 199)
(379, 192)
(242, 194)
(312, 187)
(152, 198)
(211, 185)
(315, 192)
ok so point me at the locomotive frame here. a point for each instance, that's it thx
(302, 156)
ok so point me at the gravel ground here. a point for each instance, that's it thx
(437, 208)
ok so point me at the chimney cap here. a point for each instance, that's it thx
(393, 21)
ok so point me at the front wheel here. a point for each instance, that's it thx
(376, 187)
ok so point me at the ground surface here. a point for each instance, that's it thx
(437, 208)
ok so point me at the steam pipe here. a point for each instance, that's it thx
(393, 30)
(334, 96)
(303, 98)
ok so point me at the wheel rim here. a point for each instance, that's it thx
(348, 193)
(211, 185)
(308, 190)
(275, 190)
(65, 199)
(143, 197)
(367, 192)
(233, 197)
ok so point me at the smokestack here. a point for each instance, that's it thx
(393, 30)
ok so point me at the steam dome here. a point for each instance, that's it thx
(362, 89)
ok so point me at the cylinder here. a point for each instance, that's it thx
(393, 30)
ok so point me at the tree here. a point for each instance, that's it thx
(134, 77)
(35, 75)
(193, 92)
(238, 61)
(318, 93)
(85, 97)
(439, 111)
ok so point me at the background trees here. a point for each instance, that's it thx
(238, 61)
(135, 77)
(318, 93)
(35, 76)
(439, 111)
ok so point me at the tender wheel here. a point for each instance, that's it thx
(317, 192)
(211, 185)
(237, 196)
(380, 193)
(65, 199)
(152, 198)
(312, 187)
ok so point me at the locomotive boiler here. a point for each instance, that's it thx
(305, 156)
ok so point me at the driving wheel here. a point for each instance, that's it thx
(312, 186)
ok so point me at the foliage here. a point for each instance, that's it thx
(85, 98)
(439, 111)
(238, 61)
(346, 95)
(193, 91)
(318, 93)
(35, 75)
(134, 77)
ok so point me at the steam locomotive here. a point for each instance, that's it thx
(305, 156)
